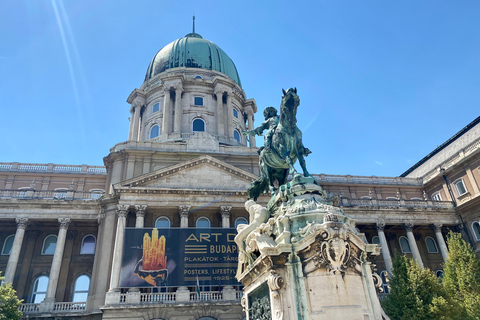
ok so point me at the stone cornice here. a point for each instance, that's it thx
(209, 192)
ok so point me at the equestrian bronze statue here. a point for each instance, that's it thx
(283, 146)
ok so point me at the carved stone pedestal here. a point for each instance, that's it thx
(303, 259)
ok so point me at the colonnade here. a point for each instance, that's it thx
(411, 242)
(223, 122)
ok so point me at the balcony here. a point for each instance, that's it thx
(59, 307)
(396, 203)
(52, 168)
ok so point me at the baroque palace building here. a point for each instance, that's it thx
(187, 165)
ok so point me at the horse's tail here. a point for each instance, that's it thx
(257, 188)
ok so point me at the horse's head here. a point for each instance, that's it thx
(288, 107)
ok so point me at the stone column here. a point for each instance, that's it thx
(166, 112)
(57, 261)
(441, 241)
(250, 127)
(178, 110)
(383, 243)
(122, 211)
(136, 123)
(130, 131)
(220, 122)
(16, 248)
(229, 116)
(413, 244)
(226, 212)
(184, 211)
(140, 211)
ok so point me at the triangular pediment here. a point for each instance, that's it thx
(204, 172)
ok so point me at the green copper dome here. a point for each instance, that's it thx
(192, 51)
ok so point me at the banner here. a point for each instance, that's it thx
(177, 256)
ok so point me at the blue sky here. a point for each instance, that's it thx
(381, 83)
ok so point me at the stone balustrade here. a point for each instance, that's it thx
(59, 307)
(52, 168)
(396, 203)
(49, 194)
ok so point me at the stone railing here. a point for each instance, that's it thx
(29, 307)
(157, 297)
(396, 203)
(29, 194)
(347, 179)
(52, 168)
(69, 306)
(206, 296)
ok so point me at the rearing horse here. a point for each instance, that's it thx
(286, 148)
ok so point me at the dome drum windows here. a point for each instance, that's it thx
(156, 107)
(198, 125)
(154, 131)
(237, 136)
(198, 101)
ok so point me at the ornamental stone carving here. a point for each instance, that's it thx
(438, 226)
(140, 210)
(225, 211)
(64, 222)
(122, 210)
(184, 211)
(409, 226)
(21, 222)
(380, 225)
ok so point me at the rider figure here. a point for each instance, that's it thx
(270, 124)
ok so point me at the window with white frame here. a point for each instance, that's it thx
(162, 223)
(431, 245)
(8, 245)
(156, 107)
(39, 289)
(404, 245)
(203, 222)
(198, 125)
(49, 245)
(240, 221)
(476, 230)
(436, 196)
(88, 245)
(460, 186)
(198, 101)
(80, 288)
(154, 131)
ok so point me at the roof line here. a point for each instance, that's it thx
(441, 147)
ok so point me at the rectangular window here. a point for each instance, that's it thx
(156, 107)
(198, 101)
(460, 187)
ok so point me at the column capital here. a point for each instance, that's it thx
(140, 210)
(64, 223)
(437, 226)
(21, 222)
(380, 225)
(122, 210)
(408, 226)
(226, 211)
(184, 210)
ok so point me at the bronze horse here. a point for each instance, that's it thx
(286, 147)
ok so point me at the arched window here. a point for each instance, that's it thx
(88, 245)
(154, 131)
(375, 240)
(236, 135)
(436, 196)
(385, 284)
(39, 290)
(49, 244)
(391, 198)
(198, 77)
(8, 244)
(80, 289)
(240, 221)
(476, 230)
(203, 222)
(156, 107)
(440, 274)
(431, 245)
(198, 125)
(404, 245)
(162, 223)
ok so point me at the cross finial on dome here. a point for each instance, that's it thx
(193, 24)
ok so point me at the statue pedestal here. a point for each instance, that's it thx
(306, 260)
